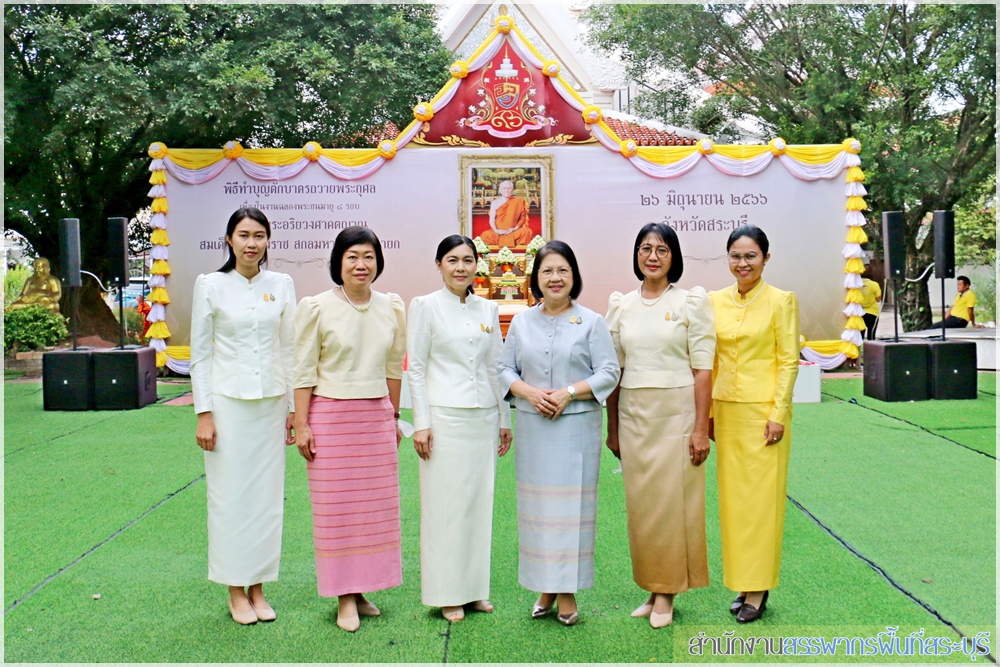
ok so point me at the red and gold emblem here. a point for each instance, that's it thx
(506, 108)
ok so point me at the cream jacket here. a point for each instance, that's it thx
(453, 348)
(242, 337)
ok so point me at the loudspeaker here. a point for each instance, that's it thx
(944, 244)
(124, 379)
(952, 369)
(894, 244)
(896, 371)
(118, 251)
(66, 380)
(69, 251)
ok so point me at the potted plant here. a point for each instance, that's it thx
(506, 259)
(482, 271)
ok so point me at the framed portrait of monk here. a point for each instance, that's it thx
(506, 201)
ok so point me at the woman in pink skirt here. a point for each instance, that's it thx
(349, 348)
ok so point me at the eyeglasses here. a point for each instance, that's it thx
(750, 257)
(660, 250)
(562, 272)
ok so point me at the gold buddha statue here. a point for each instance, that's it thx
(41, 289)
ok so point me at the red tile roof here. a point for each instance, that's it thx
(647, 136)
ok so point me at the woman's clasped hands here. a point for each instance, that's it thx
(549, 403)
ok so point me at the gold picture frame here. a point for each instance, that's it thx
(537, 173)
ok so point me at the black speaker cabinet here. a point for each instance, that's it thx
(124, 379)
(69, 252)
(118, 251)
(66, 380)
(896, 371)
(944, 244)
(894, 245)
(952, 369)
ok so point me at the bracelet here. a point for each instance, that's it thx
(395, 416)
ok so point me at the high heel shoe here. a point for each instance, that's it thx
(265, 614)
(243, 617)
(748, 613)
(541, 610)
(453, 614)
(482, 605)
(368, 608)
(571, 619)
(348, 623)
(643, 610)
(734, 608)
(657, 620)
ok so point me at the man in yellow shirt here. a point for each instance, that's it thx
(871, 293)
(962, 312)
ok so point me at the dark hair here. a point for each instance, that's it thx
(236, 218)
(352, 236)
(668, 236)
(449, 243)
(964, 279)
(564, 251)
(755, 233)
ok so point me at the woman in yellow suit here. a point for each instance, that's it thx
(756, 362)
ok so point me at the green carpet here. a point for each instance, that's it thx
(914, 503)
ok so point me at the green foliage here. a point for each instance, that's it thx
(915, 83)
(986, 296)
(13, 283)
(133, 325)
(87, 88)
(32, 328)
(976, 226)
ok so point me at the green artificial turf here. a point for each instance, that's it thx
(971, 423)
(77, 478)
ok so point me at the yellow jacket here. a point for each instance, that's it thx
(757, 348)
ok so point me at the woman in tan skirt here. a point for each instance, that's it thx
(658, 420)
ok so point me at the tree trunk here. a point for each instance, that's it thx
(914, 305)
(95, 317)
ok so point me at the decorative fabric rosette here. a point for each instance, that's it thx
(628, 148)
(852, 146)
(311, 151)
(504, 24)
(592, 114)
(706, 146)
(232, 150)
(157, 150)
(423, 112)
(551, 68)
(459, 69)
(777, 146)
(387, 149)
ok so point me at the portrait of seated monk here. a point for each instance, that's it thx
(41, 289)
(508, 220)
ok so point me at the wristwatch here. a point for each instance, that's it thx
(571, 390)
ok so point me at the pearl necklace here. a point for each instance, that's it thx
(647, 302)
(362, 308)
(744, 305)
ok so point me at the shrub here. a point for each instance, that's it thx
(13, 283)
(32, 328)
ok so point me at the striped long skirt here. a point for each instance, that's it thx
(354, 489)
(557, 466)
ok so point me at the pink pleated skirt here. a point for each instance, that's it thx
(354, 490)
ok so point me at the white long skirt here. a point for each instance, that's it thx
(456, 506)
(245, 476)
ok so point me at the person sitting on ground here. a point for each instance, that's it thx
(962, 311)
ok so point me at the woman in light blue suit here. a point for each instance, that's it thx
(558, 364)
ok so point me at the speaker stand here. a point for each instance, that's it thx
(74, 311)
(895, 302)
(121, 317)
(944, 310)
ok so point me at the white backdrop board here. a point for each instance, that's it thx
(599, 201)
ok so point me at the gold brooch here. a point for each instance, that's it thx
(671, 317)
(573, 319)
(269, 297)
(486, 329)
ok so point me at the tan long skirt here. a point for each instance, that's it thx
(664, 491)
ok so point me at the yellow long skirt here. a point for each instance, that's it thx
(752, 479)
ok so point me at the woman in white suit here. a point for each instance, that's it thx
(242, 326)
(462, 423)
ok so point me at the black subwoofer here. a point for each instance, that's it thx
(896, 371)
(66, 380)
(952, 369)
(124, 379)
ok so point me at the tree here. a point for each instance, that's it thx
(915, 83)
(87, 88)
